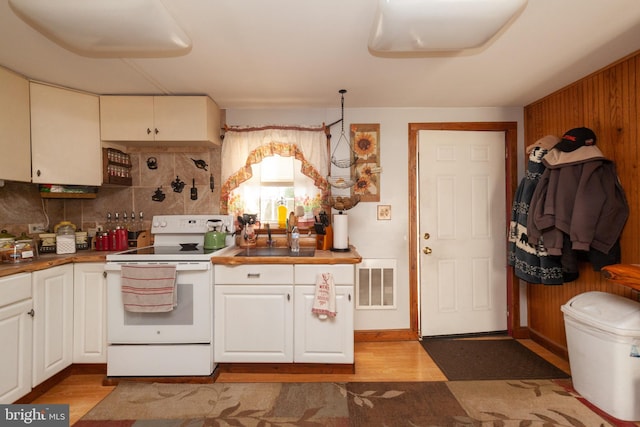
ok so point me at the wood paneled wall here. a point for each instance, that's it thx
(607, 102)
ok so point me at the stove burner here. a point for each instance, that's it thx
(188, 246)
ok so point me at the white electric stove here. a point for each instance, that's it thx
(178, 342)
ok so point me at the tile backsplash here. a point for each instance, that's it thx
(21, 204)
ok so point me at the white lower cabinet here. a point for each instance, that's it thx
(253, 323)
(327, 340)
(16, 336)
(52, 322)
(89, 313)
(263, 315)
(253, 315)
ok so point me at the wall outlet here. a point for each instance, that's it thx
(36, 228)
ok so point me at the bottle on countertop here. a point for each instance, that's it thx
(141, 221)
(282, 214)
(295, 240)
(133, 231)
(133, 225)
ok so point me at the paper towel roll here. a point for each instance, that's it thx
(340, 231)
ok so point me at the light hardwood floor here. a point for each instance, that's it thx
(374, 361)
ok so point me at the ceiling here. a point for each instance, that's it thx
(299, 53)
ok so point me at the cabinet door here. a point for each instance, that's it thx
(65, 136)
(253, 323)
(15, 142)
(327, 340)
(89, 313)
(186, 118)
(53, 321)
(126, 118)
(15, 357)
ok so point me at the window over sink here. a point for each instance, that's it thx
(263, 168)
(276, 180)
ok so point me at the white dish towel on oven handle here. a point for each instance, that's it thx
(149, 288)
(324, 302)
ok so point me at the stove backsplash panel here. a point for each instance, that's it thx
(21, 204)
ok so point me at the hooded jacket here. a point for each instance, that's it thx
(579, 194)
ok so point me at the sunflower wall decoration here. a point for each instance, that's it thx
(365, 140)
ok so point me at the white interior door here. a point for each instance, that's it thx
(462, 212)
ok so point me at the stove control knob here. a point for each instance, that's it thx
(160, 224)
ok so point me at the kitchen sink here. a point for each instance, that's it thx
(282, 252)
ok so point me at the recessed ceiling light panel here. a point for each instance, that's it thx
(113, 28)
(438, 25)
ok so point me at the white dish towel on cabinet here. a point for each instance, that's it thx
(324, 302)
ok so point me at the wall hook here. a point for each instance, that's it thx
(177, 185)
(200, 164)
(159, 195)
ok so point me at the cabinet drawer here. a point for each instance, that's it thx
(342, 274)
(257, 274)
(16, 287)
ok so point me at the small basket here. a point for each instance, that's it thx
(344, 203)
(341, 181)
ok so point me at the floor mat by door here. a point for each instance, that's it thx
(488, 359)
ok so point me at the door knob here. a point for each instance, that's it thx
(31, 313)
(426, 236)
(427, 250)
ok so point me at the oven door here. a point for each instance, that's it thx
(191, 321)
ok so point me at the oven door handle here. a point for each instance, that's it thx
(195, 266)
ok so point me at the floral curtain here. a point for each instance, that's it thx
(245, 146)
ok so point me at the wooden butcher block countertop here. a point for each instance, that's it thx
(228, 257)
(45, 261)
(623, 274)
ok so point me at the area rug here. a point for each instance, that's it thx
(464, 403)
(488, 359)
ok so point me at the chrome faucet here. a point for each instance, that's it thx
(269, 240)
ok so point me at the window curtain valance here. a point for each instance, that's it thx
(245, 146)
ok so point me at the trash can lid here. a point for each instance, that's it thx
(610, 311)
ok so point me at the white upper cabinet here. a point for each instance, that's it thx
(65, 136)
(15, 161)
(178, 120)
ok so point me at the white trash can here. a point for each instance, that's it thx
(603, 340)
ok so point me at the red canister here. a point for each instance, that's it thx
(113, 240)
(122, 239)
(98, 240)
(103, 242)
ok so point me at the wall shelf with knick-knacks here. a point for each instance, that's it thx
(116, 167)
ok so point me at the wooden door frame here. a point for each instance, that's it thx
(511, 173)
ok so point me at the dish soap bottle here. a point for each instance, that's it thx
(282, 214)
(295, 240)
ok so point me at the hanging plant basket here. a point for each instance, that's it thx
(343, 155)
(348, 156)
(341, 181)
